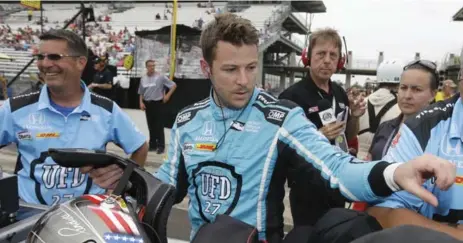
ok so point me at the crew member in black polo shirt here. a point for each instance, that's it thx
(324, 56)
(102, 83)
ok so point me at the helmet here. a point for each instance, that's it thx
(139, 218)
(389, 71)
(89, 218)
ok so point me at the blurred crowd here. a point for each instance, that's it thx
(21, 39)
(101, 39)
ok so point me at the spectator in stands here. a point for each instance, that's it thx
(158, 16)
(318, 95)
(448, 90)
(102, 83)
(152, 99)
(29, 15)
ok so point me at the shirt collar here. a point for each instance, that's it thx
(396, 122)
(226, 113)
(44, 99)
(312, 86)
(456, 126)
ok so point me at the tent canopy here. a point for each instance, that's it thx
(182, 30)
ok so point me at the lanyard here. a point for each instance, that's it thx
(388, 142)
(334, 101)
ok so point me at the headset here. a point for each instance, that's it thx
(307, 52)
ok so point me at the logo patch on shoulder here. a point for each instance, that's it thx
(184, 117)
(24, 135)
(47, 135)
(276, 115)
(85, 117)
(205, 146)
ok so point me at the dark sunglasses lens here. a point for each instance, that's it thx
(39, 56)
(54, 57)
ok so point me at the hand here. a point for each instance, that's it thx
(105, 177)
(411, 175)
(165, 99)
(92, 85)
(332, 130)
(142, 106)
(357, 106)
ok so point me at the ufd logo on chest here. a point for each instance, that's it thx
(217, 188)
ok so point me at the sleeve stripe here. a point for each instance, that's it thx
(175, 160)
(317, 161)
(263, 183)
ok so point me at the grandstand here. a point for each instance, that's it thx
(116, 24)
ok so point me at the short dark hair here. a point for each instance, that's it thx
(76, 45)
(148, 61)
(230, 28)
(433, 75)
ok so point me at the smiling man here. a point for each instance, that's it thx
(64, 114)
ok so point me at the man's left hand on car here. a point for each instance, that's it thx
(105, 177)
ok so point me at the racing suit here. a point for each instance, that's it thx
(235, 162)
(436, 130)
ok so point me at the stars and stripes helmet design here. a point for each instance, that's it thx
(90, 219)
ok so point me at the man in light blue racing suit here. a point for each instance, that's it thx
(230, 152)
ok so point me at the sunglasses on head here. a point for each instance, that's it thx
(52, 57)
(424, 63)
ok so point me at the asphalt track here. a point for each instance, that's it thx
(178, 227)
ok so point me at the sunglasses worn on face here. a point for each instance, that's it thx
(51, 57)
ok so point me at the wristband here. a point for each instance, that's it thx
(389, 177)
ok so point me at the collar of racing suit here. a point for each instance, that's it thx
(225, 113)
(456, 128)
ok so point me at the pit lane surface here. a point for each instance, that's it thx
(178, 228)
